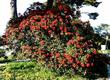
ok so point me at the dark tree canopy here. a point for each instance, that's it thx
(14, 8)
(75, 5)
(74, 2)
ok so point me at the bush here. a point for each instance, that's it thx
(56, 37)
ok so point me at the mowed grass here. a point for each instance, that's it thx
(104, 51)
(32, 71)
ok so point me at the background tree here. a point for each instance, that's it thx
(103, 34)
(103, 30)
(75, 5)
(14, 9)
(50, 3)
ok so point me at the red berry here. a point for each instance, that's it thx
(88, 56)
(82, 65)
(42, 42)
(94, 51)
(92, 64)
(76, 55)
(78, 62)
(57, 55)
(88, 65)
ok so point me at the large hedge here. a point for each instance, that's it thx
(55, 36)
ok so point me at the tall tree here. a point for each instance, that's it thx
(49, 3)
(72, 2)
(78, 4)
(14, 9)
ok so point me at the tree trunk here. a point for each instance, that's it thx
(14, 9)
(49, 4)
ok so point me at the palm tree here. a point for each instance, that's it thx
(14, 9)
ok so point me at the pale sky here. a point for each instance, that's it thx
(103, 10)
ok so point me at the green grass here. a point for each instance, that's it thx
(9, 59)
(1, 50)
(32, 71)
(104, 51)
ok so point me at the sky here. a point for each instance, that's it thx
(104, 12)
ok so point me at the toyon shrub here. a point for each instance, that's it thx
(55, 36)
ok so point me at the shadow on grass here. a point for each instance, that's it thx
(6, 61)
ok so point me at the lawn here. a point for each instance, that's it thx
(104, 51)
(32, 71)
